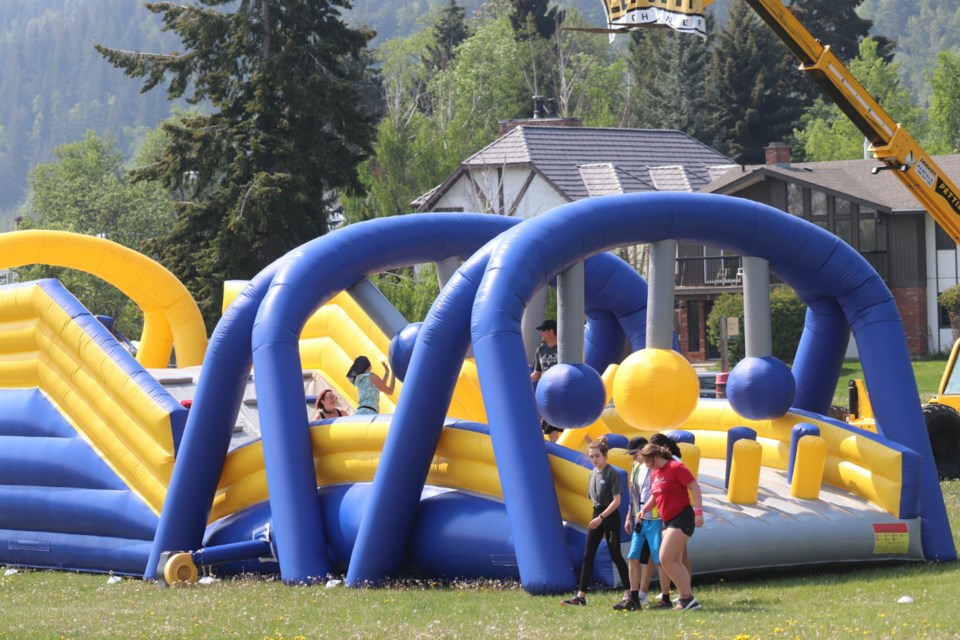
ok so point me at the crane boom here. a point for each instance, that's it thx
(889, 142)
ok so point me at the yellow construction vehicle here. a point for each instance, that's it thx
(889, 143)
(941, 414)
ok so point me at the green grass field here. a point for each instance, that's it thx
(827, 603)
(926, 372)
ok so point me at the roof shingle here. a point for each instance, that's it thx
(560, 152)
(852, 178)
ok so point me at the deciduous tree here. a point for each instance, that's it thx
(827, 134)
(87, 190)
(945, 105)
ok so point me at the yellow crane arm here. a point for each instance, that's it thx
(889, 142)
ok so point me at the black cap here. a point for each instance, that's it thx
(636, 444)
(548, 325)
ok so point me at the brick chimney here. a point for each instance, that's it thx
(777, 153)
(544, 115)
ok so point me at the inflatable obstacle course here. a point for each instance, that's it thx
(487, 497)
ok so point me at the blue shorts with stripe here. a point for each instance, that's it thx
(645, 543)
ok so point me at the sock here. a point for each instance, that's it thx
(635, 596)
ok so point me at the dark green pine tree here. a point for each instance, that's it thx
(448, 31)
(289, 119)
(670, 81)
(834, 23)
(525, 14)
(749, 90)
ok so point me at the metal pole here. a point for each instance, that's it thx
(660, 287)
(758, 338)
(532, 317)
(570, 315)
(376, 305)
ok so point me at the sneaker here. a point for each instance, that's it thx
(627, 605)
(685, 604)
(644, 598)
(575, 601)
(662, 604)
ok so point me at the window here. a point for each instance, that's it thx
(794, 199)
(841, 207)
(944, 242)
(842, 225)
(818, 204)
(843, 229)
(868, 228)
(944, 317)
(693, 327)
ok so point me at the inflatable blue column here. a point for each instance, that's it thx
(206, 437)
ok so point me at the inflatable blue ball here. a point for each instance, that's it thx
(570, 396)
(761, 388)
(401, 348)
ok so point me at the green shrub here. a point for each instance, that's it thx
(728, 305)
(950, 300)
(787, 313)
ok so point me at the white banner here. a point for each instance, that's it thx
(685, 16)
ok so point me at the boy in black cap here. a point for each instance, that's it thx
(545, 358)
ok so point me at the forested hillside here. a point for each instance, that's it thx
(920, 29)
(54, 86)
(398, 19)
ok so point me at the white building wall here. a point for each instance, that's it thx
(540, 196)
(943, 272)
(460, 196)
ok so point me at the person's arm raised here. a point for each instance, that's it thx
(387, 383)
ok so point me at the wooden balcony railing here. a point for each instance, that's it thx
(727, 271)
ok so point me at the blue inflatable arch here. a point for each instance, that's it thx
(615, 298)
(815, 263)
(347, 256)
(330, 264)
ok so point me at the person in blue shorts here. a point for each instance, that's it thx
(645, 540)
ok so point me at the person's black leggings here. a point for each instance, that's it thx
(609, 531)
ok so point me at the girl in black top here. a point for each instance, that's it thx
(327, 406)
(604, 491)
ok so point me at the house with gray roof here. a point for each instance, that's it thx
(539, 164)
(875, 214)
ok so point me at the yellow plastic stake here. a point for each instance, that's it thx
(690, 456)
(808, 468)
(745, 472)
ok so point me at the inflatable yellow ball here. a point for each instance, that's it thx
(655, 389)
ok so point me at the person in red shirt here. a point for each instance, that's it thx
(670, 482)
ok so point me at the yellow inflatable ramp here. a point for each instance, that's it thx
(50, 342)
